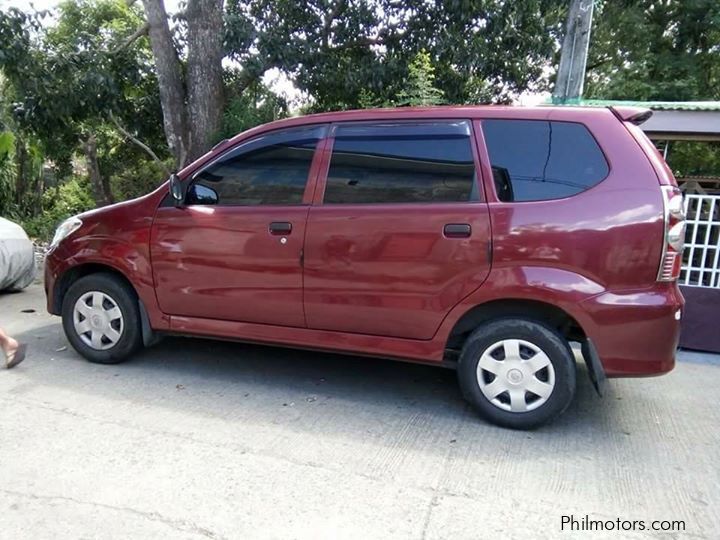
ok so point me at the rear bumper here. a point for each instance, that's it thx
(636, 333)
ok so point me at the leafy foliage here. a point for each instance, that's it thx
(62, 81)
(338, 51)
(255, 105)
(694, 158)
(660, 50)
(138, 177)
(420, 89)
(7, 172)
(68, 199)
(72, 75)
(655, 50)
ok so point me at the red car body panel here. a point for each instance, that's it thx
(221, 263)
(381, 279)
(384, 269)
(116, 237)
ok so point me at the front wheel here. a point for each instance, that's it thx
(517, 373)
(101, 318)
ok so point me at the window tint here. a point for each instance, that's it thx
(536, 160)
(401, 163)
(271, 169)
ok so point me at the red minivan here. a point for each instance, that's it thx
(486, 239)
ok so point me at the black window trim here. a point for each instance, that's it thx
(324, 128)
(480, 120)
(477, 177)
(323, 135)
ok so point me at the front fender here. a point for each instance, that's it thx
(115, 237)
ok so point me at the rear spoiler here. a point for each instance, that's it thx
(634, 115)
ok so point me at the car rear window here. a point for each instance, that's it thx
(407, 162)
(536, 160)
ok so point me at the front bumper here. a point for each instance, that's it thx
(54, 266)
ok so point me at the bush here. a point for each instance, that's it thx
(257, 105)
(137, 178)
(75, 195)
(58, 204)
(694, 158)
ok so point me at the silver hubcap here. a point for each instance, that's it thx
(515, 375)
(98, 320)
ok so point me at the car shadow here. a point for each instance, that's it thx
(219, 378)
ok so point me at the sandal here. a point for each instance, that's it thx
(15, 358)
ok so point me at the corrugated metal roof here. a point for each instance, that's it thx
(654, 105)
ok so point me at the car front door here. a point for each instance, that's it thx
(400, 232)
(233, 250)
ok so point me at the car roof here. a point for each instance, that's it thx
(567, 113)
(447, 111)
(577, 114)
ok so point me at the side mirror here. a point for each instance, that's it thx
(199, 194)
(176, 190)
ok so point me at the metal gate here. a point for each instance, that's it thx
(701, 258)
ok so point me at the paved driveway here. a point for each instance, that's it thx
(197, 439)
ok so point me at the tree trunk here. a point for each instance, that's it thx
(100, 186)
(107, 190)
(172, 92)
(39, 190)
(22, 171)
(204, 75)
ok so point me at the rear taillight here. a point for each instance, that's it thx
(674, 236)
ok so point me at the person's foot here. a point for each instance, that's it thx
(14, 353)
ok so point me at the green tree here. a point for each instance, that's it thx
(254, 105)
(338, 51)
(419, 89)
(663, 50)
(333, 49)
(76, 80)
(655, 50)
(21, 167)
(366, 99)
(7, 172)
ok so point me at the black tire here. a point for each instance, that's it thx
(126, 300)
(485, 339)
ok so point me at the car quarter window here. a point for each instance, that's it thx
(270, 169)
(535, 160)
(409, 162)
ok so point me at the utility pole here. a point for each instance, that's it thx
(573, 55)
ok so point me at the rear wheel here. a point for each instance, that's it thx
(517, 373)
(101, 318)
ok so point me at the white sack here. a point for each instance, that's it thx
(17, 257)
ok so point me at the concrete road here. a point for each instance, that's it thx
(202, 439)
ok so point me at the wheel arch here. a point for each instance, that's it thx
(543, 312)
(73, 274)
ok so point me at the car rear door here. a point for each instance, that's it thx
(399, 232)
(233, 251)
